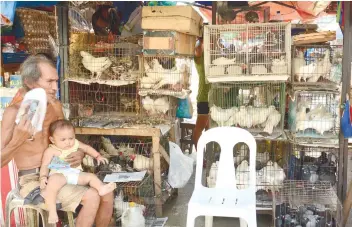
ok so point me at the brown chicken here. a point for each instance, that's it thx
(85, 110)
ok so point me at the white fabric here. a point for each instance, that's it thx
(71, 175)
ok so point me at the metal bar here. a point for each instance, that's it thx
(346, 83)
(213, 12)
(63, 33)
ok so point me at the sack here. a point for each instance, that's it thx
(184, 109)
(181, 167)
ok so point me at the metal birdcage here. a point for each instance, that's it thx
(102, 77)
(313, 163)
(314, 114)
(234, 52)
(316, 65)
(165, 75)
(256, 106)
(269, 167)
(306, 204)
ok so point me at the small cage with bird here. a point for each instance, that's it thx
(301, 203)
(165, 75)
(316, 65)
(270, 164)
(233, 52)
(313, 163)
(159, 108)
(256, 106)
(102, 77)
(314, 114)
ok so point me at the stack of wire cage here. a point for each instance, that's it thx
(165, 77)
(309, 194)
(102, 79)
(128, 154)
(247, 66)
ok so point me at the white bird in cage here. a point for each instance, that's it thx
(244, 120)
(219, 115)
(241, 154)
(213, 172)
(274, 119)
(95, 65)
(224, 61)
(242, 175)
(141, 163)
(323, 68)
(279, 65)
(306, 71)
(126, 150)
(162, 105)
(234, 118)
(108, 146)
(148, 105)
(259, 115)
(298, 62)
(273, 175)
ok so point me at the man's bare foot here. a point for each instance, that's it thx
(53, 218)
(107, 188)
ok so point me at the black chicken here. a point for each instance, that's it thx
(106, 21)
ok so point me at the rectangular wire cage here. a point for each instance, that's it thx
(316, 65)
(129, 154)
(262, 49)
(306, 204)
(165, 75)
(270, 174)
(314, 114)
(158, 108)
(312, 163)
(102, 77)
(256, 106)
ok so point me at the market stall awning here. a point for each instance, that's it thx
(303, 11)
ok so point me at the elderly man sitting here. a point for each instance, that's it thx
(39, 72)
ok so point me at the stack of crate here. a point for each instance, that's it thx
(170, 34)
(247, 66)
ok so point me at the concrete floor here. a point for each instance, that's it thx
(176, 211)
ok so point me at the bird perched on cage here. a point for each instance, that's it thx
(273, 120)
(141, 163)
(252, 17)
(85, 110)
(95, 65)
(220, 116)
(108, 146)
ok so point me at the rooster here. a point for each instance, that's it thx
(95, 65)
(106, 21)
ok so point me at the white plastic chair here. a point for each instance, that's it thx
(225, 200)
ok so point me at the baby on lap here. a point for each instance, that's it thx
(63, 143)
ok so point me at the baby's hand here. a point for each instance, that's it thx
(43, 182)
(102, 160)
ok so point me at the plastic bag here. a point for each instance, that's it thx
(184, 109)
(181, 167)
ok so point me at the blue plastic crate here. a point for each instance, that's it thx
(10, 58)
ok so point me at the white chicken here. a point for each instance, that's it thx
(223, 61)
(220, 116)
(323, 68)
(260, 115)
(141, 163)
(161, 105)
(306, 71)
(95, 65)
(108, 147)
(148, 82)
(298, 62)
(148, 105)
(273, 175)
(242, 175)
(274, 119)
(213, 172)
(244, 120)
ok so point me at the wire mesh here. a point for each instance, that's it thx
(126, 153)
(316, 64)
(159, 108)
(165, 75)
(247, 49)
(259, 107)
(313, 164)
(270, 173)
(102, 77)
(314, 114)
(307, 204)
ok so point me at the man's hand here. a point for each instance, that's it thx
(75, 158)
(23, 131)
(43, 182)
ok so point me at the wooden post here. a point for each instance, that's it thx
(157, 176)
